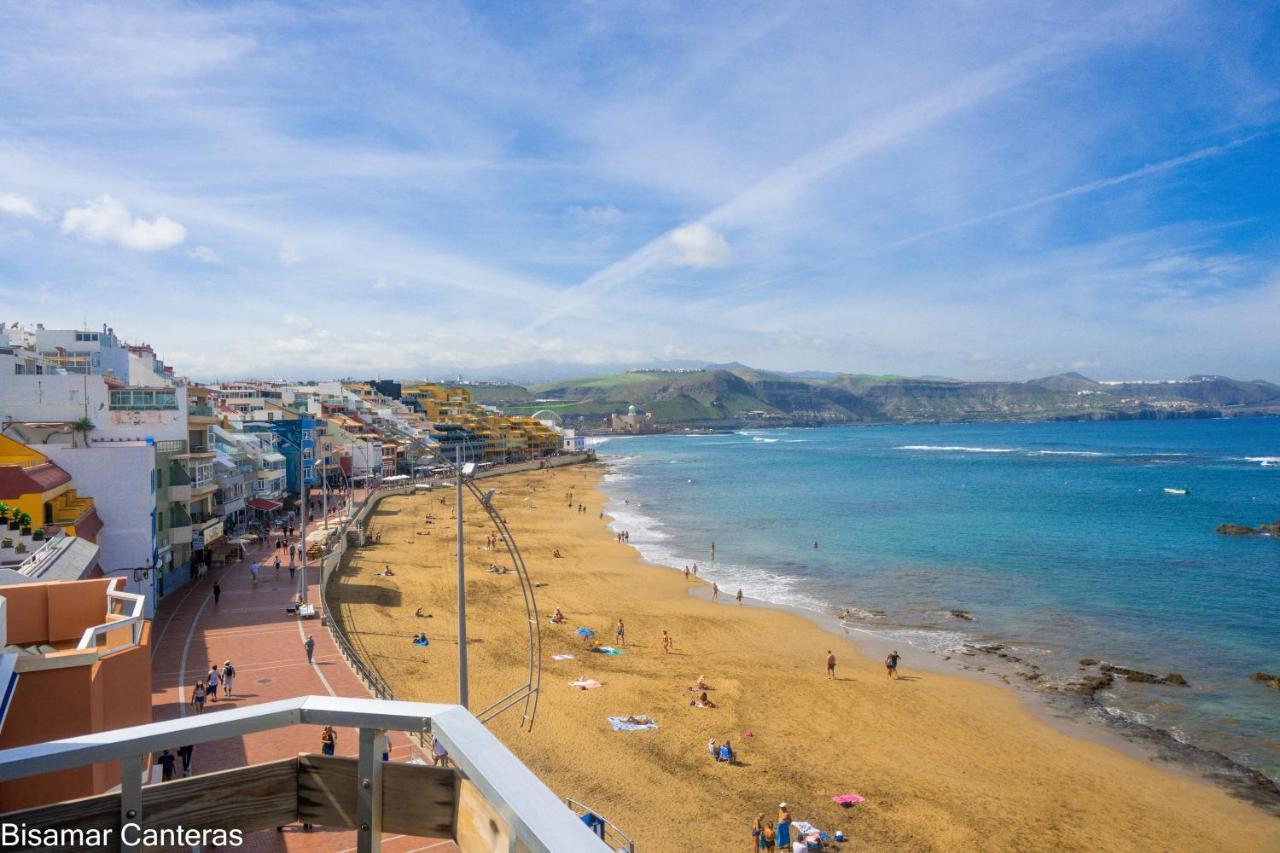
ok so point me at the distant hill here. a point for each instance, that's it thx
(738, 394)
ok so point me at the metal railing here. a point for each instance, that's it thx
(606, 830)
(128, 607)
(536, 818)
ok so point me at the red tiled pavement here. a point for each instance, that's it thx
(249, 627)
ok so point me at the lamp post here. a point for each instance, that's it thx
(462, 590)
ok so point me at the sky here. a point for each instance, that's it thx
(972, 189)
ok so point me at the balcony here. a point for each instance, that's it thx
(489, 801)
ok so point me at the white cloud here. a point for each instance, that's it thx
(20, 206)
(598, 215)
(380, 284)
(289, 255)
(205, 254)
(698, 245)
(106, 220)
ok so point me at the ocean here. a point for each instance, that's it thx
(1058, 539)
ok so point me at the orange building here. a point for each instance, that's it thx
(83, 660)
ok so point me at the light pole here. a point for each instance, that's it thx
(462, 591)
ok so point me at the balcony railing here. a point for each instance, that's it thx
(200, 411)
(488, 801)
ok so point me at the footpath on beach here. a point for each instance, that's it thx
(249, 626)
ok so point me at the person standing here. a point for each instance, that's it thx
(277, 565)
(831, 665)
(310, 646)
(620, 633)
(739, 595)
(253, 570)
(328, 740)
(715, 591)
(783, 831)
(213, 678)
(228, 678)
(767, 837)
(666, 642)
(184, 752)
(217, 593)
(757, 829)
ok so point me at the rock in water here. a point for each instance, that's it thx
(1236, 530)
(1177, 679)
(1272, 681)
(963, 615)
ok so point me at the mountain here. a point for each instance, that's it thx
(734, 394)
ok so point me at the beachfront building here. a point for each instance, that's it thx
(634, 421)
(83, 662)
(48, 529)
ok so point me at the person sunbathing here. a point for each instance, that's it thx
(702, 701)
(701, 686)
(557, 617)
(420, 639)
(641, 720)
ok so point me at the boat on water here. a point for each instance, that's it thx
(1169, 491)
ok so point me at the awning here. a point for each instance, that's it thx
(263, 504)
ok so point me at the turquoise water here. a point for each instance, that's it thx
(1058, 538)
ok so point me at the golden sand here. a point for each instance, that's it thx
(945, 762)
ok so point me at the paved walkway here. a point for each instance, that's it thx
(249, 627)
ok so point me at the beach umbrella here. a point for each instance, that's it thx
(585, 632)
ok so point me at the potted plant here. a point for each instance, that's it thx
(4, 513)
(6, 543)
(38, 535)
(24, 522)
(21, 547)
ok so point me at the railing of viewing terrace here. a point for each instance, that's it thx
(606, 830)
(489, 802)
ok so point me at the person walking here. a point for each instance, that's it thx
(739, 595)
(715, 591)
(831, 665)
(166, 761)
(213, 678)
(228, 678)
(217, 593)
(184, 752)
(891, 663)
(277, 565)
(253, 570)
(328, 740)
(197, 697)
(310, 645)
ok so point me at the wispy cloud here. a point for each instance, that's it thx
(22, 207)
(106, 220)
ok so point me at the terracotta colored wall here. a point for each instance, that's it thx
(28, 612)
(74, 606)
(47, 705)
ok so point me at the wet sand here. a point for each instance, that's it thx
(944, 762)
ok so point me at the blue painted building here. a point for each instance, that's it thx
(293, 437)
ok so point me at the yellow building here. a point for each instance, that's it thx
(31, 483)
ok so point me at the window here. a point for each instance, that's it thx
(144, 400)
(87, 336)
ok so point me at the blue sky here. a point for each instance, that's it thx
(976, 189)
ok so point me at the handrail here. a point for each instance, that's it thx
(610, 828)
(134, 619)
(536, 816)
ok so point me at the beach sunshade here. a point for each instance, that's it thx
(848, 799)
(585, 632)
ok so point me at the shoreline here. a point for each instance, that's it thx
(1080, 715)
(944, 762)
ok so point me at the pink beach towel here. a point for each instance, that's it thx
(848, 799)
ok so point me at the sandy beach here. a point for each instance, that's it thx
(944, 762)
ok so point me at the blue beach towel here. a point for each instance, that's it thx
(620, 724)
(608, 650)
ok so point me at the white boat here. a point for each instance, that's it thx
(1169, 491)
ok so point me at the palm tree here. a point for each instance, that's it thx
(83, 426)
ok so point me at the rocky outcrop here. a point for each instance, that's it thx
(1135, 676)
(1272, 681)
(1272, 529)
(963, 615)
(1176, 679)
(1088, 662)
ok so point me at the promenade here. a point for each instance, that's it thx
(249, 626)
